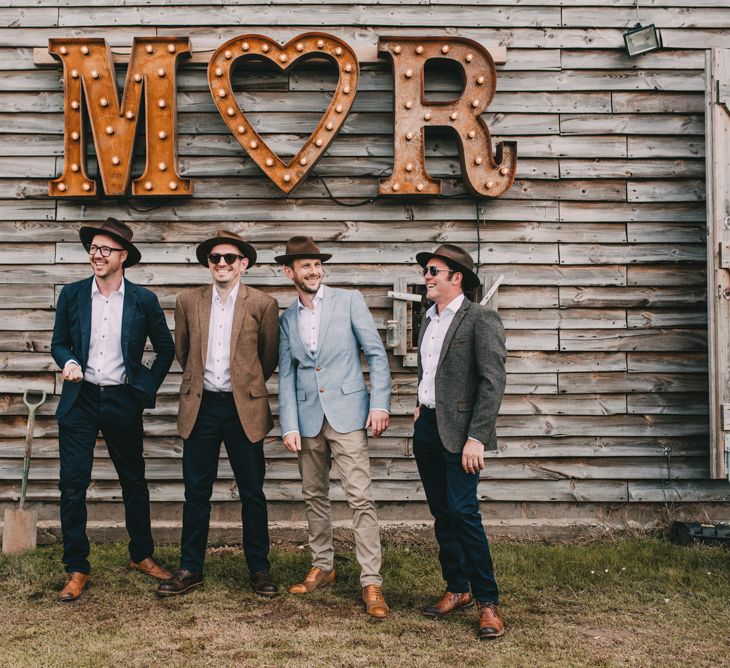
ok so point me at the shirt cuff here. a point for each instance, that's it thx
(71, 361)
(291, 431)
(384, 410)
(476, 440)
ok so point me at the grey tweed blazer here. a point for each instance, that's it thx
(470, 376)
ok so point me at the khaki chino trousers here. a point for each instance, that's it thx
(350, 454)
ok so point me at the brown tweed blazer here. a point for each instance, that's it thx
(254, 355)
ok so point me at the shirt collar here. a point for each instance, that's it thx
(231, 297)
(317, 298)
(95, 289)
(453, 306)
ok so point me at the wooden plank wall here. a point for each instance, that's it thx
(601, 240)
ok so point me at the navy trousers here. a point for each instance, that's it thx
(218, 421)
(452, 498)
(116, 413)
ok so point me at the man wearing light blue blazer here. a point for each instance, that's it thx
(325, 410)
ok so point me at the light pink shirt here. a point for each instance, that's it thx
(217, 375)
(105, 365)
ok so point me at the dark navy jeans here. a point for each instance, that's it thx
(452, 498)
(218, 421)
(116, 413)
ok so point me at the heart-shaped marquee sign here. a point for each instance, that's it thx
(308, 45)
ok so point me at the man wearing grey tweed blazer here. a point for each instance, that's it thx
(461, 379)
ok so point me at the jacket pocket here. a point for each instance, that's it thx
(185, 388)
(354, 386)
(464, 406)
(301, 396)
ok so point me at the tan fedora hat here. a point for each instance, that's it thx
(225, 237)
(298, 248)
(117, 230)
(458, 258)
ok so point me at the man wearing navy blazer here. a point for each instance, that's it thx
(325, 410)
(99, 335)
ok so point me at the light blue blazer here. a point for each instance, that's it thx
(330, 383)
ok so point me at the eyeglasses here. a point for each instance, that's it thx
(434, 271)
(229, 258)
(105, 251)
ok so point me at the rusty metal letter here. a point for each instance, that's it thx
(485, 174)
(89, 78)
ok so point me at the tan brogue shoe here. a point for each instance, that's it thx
(76, 582)
(375, 605)
(150, 567)
(490, 621)
(449, 602)
(316, 579)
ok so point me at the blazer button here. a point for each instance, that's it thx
(321, 389)
(318, 369)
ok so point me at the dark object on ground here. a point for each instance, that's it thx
(686, 533)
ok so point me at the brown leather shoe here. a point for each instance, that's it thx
(316, 579)
(181, 581)
(76, 582)
(490, 621)
(263, 585)
(375, 605)
(449, 602)
(150, 567)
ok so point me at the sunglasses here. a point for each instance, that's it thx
(229, 258)
(434, 271)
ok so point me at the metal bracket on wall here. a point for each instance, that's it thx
(397, 328)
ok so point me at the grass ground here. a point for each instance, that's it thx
(622, 602)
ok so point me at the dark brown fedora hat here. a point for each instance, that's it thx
(225, 237)
(117, 230)
(458, 258)
(298, 248)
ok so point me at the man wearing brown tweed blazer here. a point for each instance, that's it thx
(226, 341)
(461, 379)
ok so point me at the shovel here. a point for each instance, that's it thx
(19, 530)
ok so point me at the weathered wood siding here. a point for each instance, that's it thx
(601, 240)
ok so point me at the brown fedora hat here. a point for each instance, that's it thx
(225, 237)
(117, 230)
(458, 258)
(298, 248)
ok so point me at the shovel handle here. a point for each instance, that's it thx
(32, 408)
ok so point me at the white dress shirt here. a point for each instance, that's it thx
(217, 376)
(309, 319)
(105, 365)
(433, 341)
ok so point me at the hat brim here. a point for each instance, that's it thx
(203, 249)
(471, 280)
(286, 259)
(87, 234)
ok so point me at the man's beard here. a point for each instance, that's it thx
(305, 288)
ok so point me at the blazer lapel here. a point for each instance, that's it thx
(128, 307)
(204, 320)
(456, 320)
(328, 304)
(294, 326)
(84, 298)
(239, 313)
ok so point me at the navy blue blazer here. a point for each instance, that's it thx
(142, 317)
